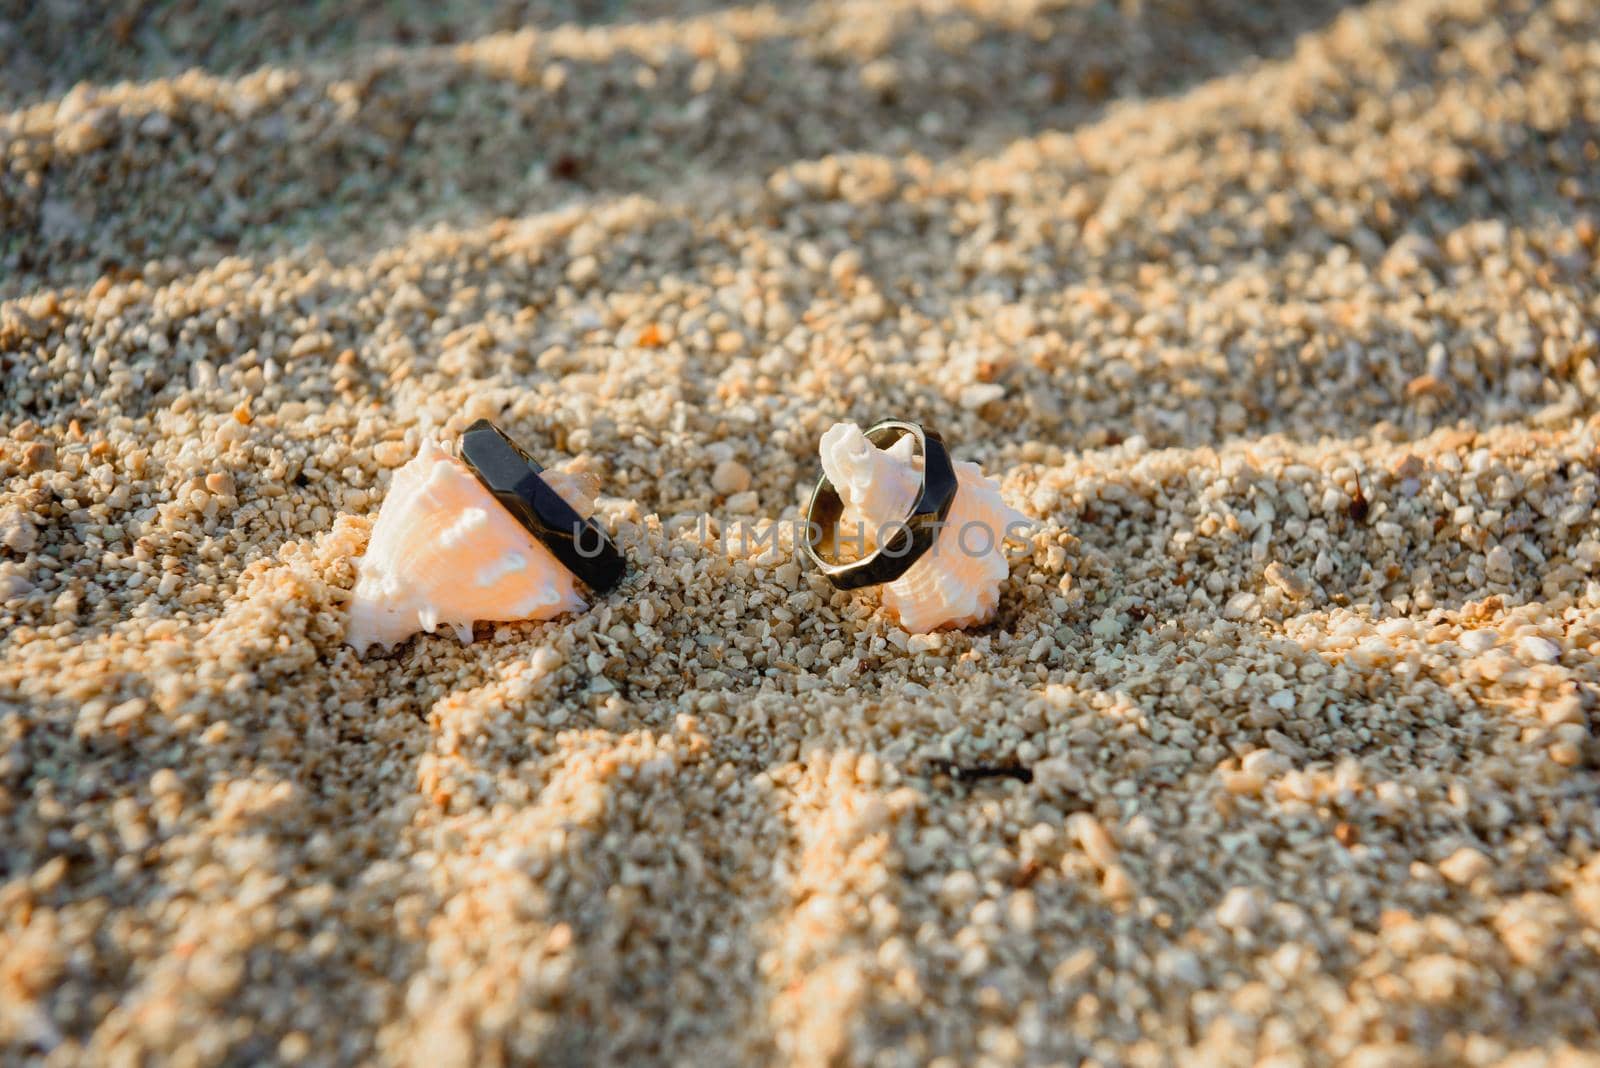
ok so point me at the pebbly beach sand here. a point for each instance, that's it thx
(1282, 321)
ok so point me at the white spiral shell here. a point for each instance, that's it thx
(957, 582)
(873, 483)
(444, 551)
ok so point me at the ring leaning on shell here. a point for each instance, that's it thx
(488, 535)
(934, 530)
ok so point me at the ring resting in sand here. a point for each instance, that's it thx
(489, 536)
(515, 478)
(912, 537)
(932, 532)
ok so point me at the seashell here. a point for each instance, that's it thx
(872, 482)
(444, 551)
(957, 583)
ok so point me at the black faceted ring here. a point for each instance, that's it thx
(911, 539)
(508, 472)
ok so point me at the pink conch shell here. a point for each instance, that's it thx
(443, 551)
(957, 584)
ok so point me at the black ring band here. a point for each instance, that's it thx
(915, 535)
(508, 472)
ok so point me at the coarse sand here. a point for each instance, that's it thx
(1281, 319)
